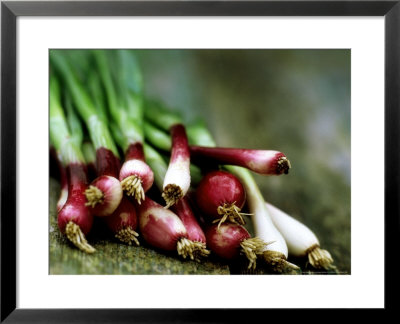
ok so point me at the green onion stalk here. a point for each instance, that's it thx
(121, 80)
(76, 131)
(105, 192)
(75, 219)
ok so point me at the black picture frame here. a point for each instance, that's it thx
(10, 10)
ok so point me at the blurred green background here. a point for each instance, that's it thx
(294, 101)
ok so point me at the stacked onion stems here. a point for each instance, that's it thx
(112, 145)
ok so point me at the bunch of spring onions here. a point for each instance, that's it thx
(113, 145)
(222, 193)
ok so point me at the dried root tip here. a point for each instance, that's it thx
(319, 258)
(172, 194)
(132, 185)
(192, 249)
(231, 213)
(75, 235)
(128, 235)
(278, 261)
(251, 248)
(283, 165)
(94, 196)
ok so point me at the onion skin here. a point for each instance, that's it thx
(75, 208)
(141, 170)
(134, 152)
(159, 226)
(266, 162)
(265, 228)
(225, 241)
(216, 189)
(180, 147)
(63, 177)
(64, 186)
(177, 178)
(135, 165)
(111, 189)
(123, 222)
(63, 196)
(298, 237)
(109, 193)
(107, 163)
(183, 210)
(124, 216)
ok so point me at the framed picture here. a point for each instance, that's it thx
(316, 80)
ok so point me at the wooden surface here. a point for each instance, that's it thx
(114, 258)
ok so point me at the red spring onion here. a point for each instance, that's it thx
(177, 178)
(135, 175)
(162, 141)
(74, 219)
(123, 222)
(161, 228)
(301, 241)
(76, 132)
(105, 193)
(195, 233)
(182, 208)
(221, 196)
(229, 240)
(267, 162)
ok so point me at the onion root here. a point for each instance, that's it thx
(251, 248)
(132, 185)
(278, 261)
(230, 212)
(320, 258)
(128, 235)
(94, 196)
(193, 249)
(283, 165)
(75, 235)
(172, 194)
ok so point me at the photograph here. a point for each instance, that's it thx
(199, 161)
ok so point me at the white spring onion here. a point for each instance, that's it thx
(301, 241)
